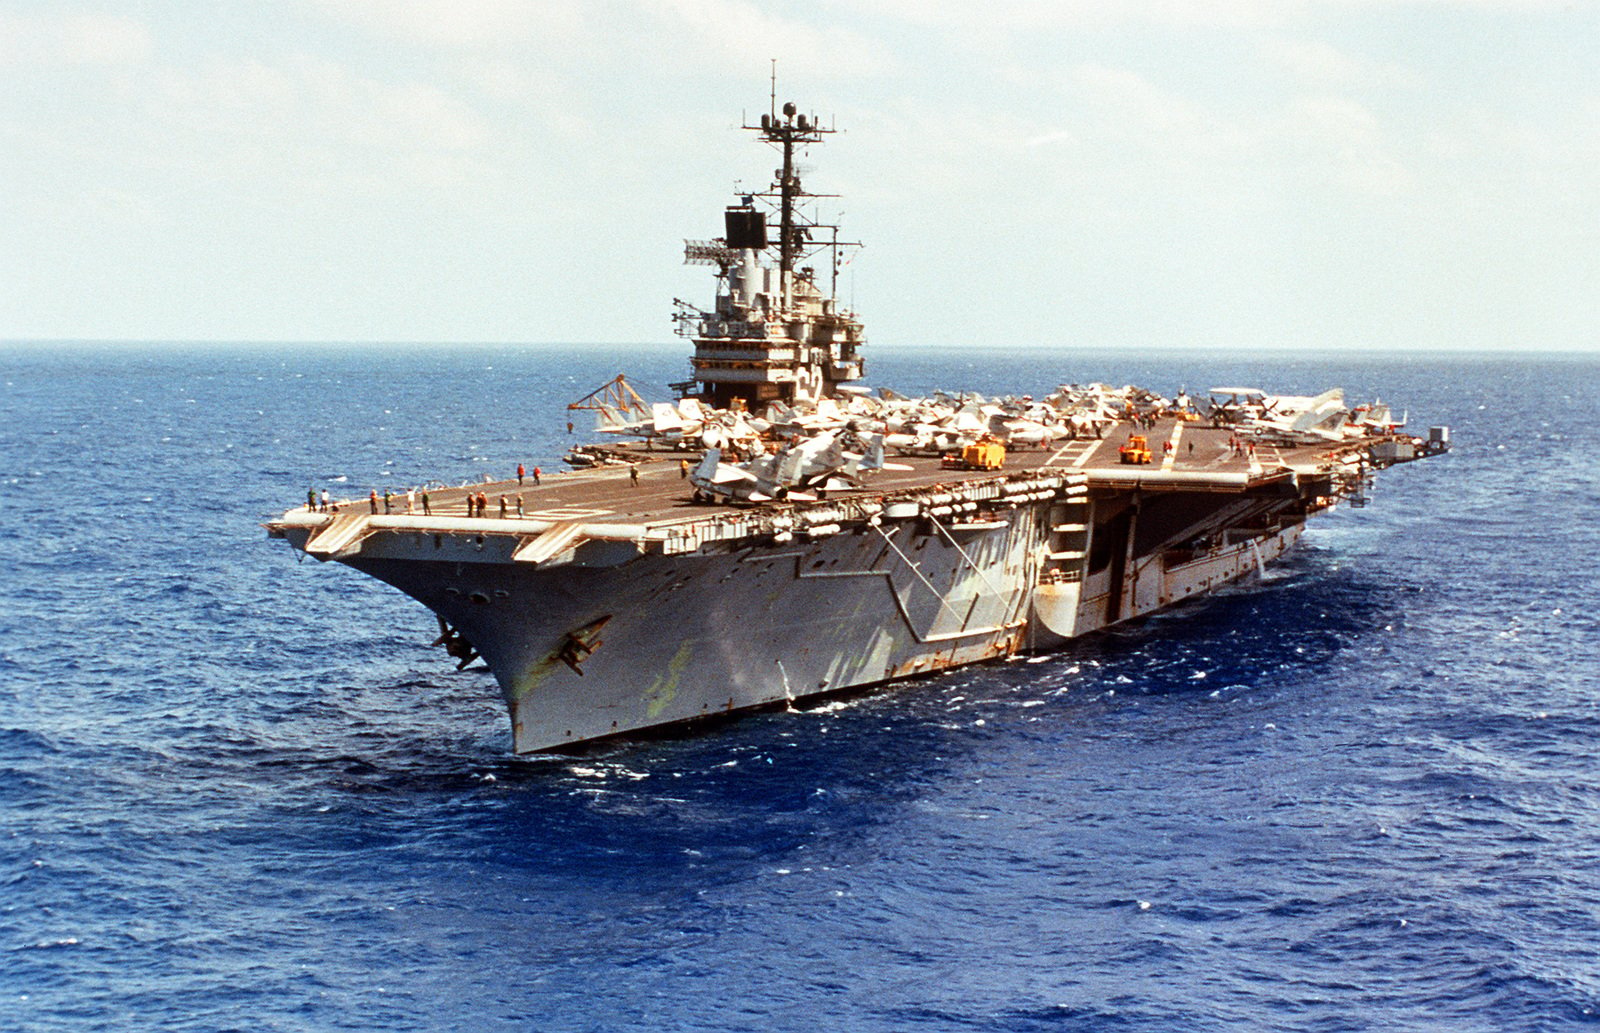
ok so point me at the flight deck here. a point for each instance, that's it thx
(1183, 454)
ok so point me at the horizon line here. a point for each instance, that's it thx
(1327, 351)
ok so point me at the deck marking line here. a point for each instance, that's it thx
(1171, 457)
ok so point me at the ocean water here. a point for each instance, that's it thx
(239, 792)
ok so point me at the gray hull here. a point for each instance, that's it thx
(589, 650)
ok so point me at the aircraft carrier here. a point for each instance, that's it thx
(779, 532)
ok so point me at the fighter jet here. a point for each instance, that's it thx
(803, 470)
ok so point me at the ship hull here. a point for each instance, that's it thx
(583, 652)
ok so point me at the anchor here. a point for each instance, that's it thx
(580, 643)
(455, 644)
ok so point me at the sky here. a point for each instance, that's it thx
(1312, 175)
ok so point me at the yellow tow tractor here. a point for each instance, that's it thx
(984, 454)
(1135, 451)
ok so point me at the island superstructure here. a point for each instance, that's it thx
(774, 335)
(786, 533)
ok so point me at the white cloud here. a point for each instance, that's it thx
(1046, 14)
(82, 39)
(628, 35)
(1051, 137)
(1203, 147)
(460, 23)
(1132, 107)
(1323, 66)
(305, 123)
(104, 39)
(718, 30)
(1346, 140)
(963, 16)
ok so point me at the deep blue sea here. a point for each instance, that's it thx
(240, 792)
